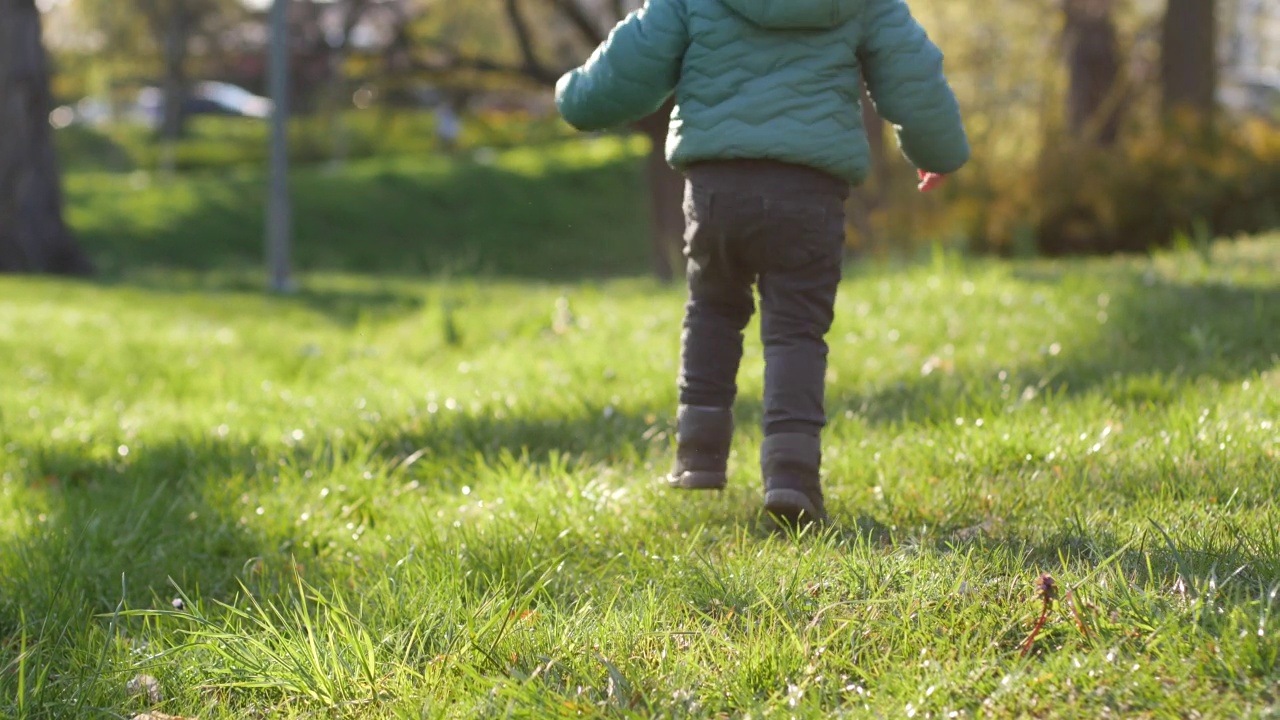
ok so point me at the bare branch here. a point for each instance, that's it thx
(530, 66)
(580, 19)
(448, 58)
(540, 76)
(520, 26)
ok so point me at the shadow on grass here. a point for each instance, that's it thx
(151, 506)
(113, 527)
(1157, 339)
(1178, 330)
(117, 528)
(120, 527)
(1156, 553)
(111, 531)
(559, 218)
(344, 304)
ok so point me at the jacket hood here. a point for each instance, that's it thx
(796, 14)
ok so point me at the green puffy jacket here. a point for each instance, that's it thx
(773, 79)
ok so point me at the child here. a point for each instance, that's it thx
(768, 131)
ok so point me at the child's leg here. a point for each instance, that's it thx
(797, 309)
(719, 307)
(797, 299)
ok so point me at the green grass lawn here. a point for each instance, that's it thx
(558, 211)
(394, 496)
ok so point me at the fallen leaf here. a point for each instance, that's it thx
(147, 686)
(815, 588)
(986, 527)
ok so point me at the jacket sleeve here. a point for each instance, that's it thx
(631, 74)
(903, 71)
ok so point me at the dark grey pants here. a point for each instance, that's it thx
(779, 227)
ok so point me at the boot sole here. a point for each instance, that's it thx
(792, 507)
(697, 481)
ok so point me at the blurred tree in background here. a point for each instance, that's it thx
(168, 29)
(545, 38)
(1189, 58)
(1095, 93)
(33, 236)
(1087, 119)
(1097, 125)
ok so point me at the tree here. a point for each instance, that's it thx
(165, 30)
(1095, 94)
(33, 235)
(1188, 57)
(337, 44)
(570, 29)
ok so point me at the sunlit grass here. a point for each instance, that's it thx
(406, 498)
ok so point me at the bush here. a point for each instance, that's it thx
(1143, 194)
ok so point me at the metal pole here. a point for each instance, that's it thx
(279, 210)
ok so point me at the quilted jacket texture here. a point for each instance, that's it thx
(775, 80)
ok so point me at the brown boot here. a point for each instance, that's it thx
(703, 437)
(790, 464)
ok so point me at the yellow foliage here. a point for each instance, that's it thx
(1178, 179)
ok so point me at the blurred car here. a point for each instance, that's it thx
(205, 98)
(1252, 94)
(227, 99)
(147, 108)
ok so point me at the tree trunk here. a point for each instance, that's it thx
(666, 186)
(337, 97)
(33, 236)
(336, 104)
(865, 200)
(175, 74)
(666, 193)
(873, 125)
(1094, 95)
(1188, 58)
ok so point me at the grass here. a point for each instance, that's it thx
(216, 143)
(503, 215)
(397, 496)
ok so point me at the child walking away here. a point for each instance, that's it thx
(768, 132)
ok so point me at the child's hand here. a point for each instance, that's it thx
(930, 181)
